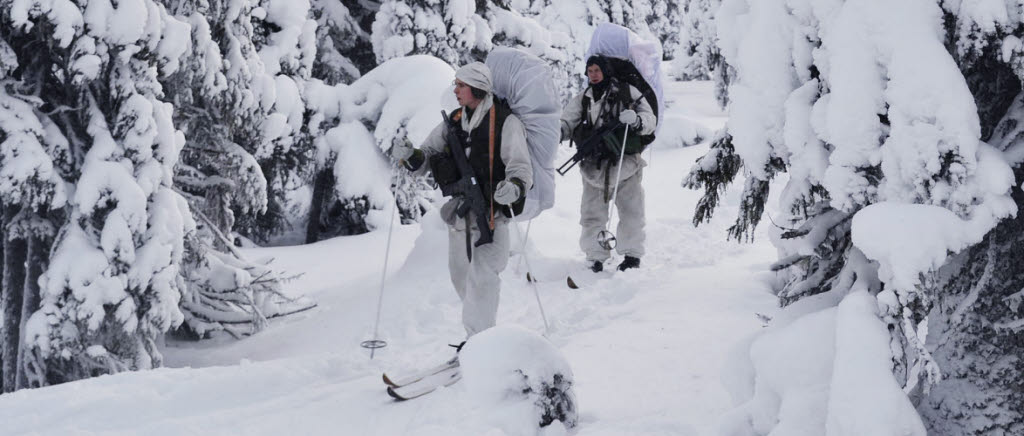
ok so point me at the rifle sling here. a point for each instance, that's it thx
(469, 239)
(490, 159)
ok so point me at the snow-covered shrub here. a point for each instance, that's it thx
(877, 124)
(512, 368)
(229, 293)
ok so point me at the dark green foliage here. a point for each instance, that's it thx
(713, 173)
(828, 230)
(977, 341)
(555, 399)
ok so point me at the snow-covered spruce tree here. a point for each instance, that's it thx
(344, 51)
(90, 76)
(559, 32)
(888, 172)
(248, 56)
(977, 318)
(284, 37)
(221, 97)
(360, 123)
(634, 14)
(696, 56)
(551, 31)
(666, 23)
(32, 153)
(453, 31)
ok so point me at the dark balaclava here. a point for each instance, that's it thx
(606, 69)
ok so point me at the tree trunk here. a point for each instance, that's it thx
(4, 219)
(218, 202)
(11, 287)
(321, 190)
(15, 254)
(38, 252)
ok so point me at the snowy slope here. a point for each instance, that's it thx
(646, 346)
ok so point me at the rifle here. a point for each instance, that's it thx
(592, 147)
(467, 188)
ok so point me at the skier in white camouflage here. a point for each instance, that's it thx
(607, 100)
(504, 176)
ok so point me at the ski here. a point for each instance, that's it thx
(587, 278)
(420, 375)
(426, 384)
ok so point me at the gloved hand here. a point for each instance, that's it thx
(506, 192)
(629, 118)
(566, 133)
(402, 150)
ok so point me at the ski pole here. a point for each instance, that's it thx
(536, 293)
(375, 343)
(523, 248)
(606, 237)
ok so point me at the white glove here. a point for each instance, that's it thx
(506, 192)
(402, 150)
(628, 117)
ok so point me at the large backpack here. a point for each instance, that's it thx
(635, 61)
(524, 81)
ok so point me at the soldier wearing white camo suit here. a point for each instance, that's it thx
(504, 178)
(604, 101)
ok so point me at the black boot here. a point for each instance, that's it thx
(597, 267)
(629, 262)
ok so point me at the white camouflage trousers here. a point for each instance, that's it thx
(598, 185)
(477, 282)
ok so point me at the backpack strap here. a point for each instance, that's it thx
(625, 97)
(586, 109)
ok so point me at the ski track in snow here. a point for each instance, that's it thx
(646, 346)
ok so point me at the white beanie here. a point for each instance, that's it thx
(476, 74)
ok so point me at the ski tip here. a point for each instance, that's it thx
(388, 381)
(530, 278)
(393, 394)
(572, 284)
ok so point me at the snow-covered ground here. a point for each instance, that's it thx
(646, 346)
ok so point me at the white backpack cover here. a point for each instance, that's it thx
(614, 41)
(524, 81)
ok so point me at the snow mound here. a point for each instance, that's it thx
(523, 373)
(818, 372)
(679, 131)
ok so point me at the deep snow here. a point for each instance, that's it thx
(646, 347)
